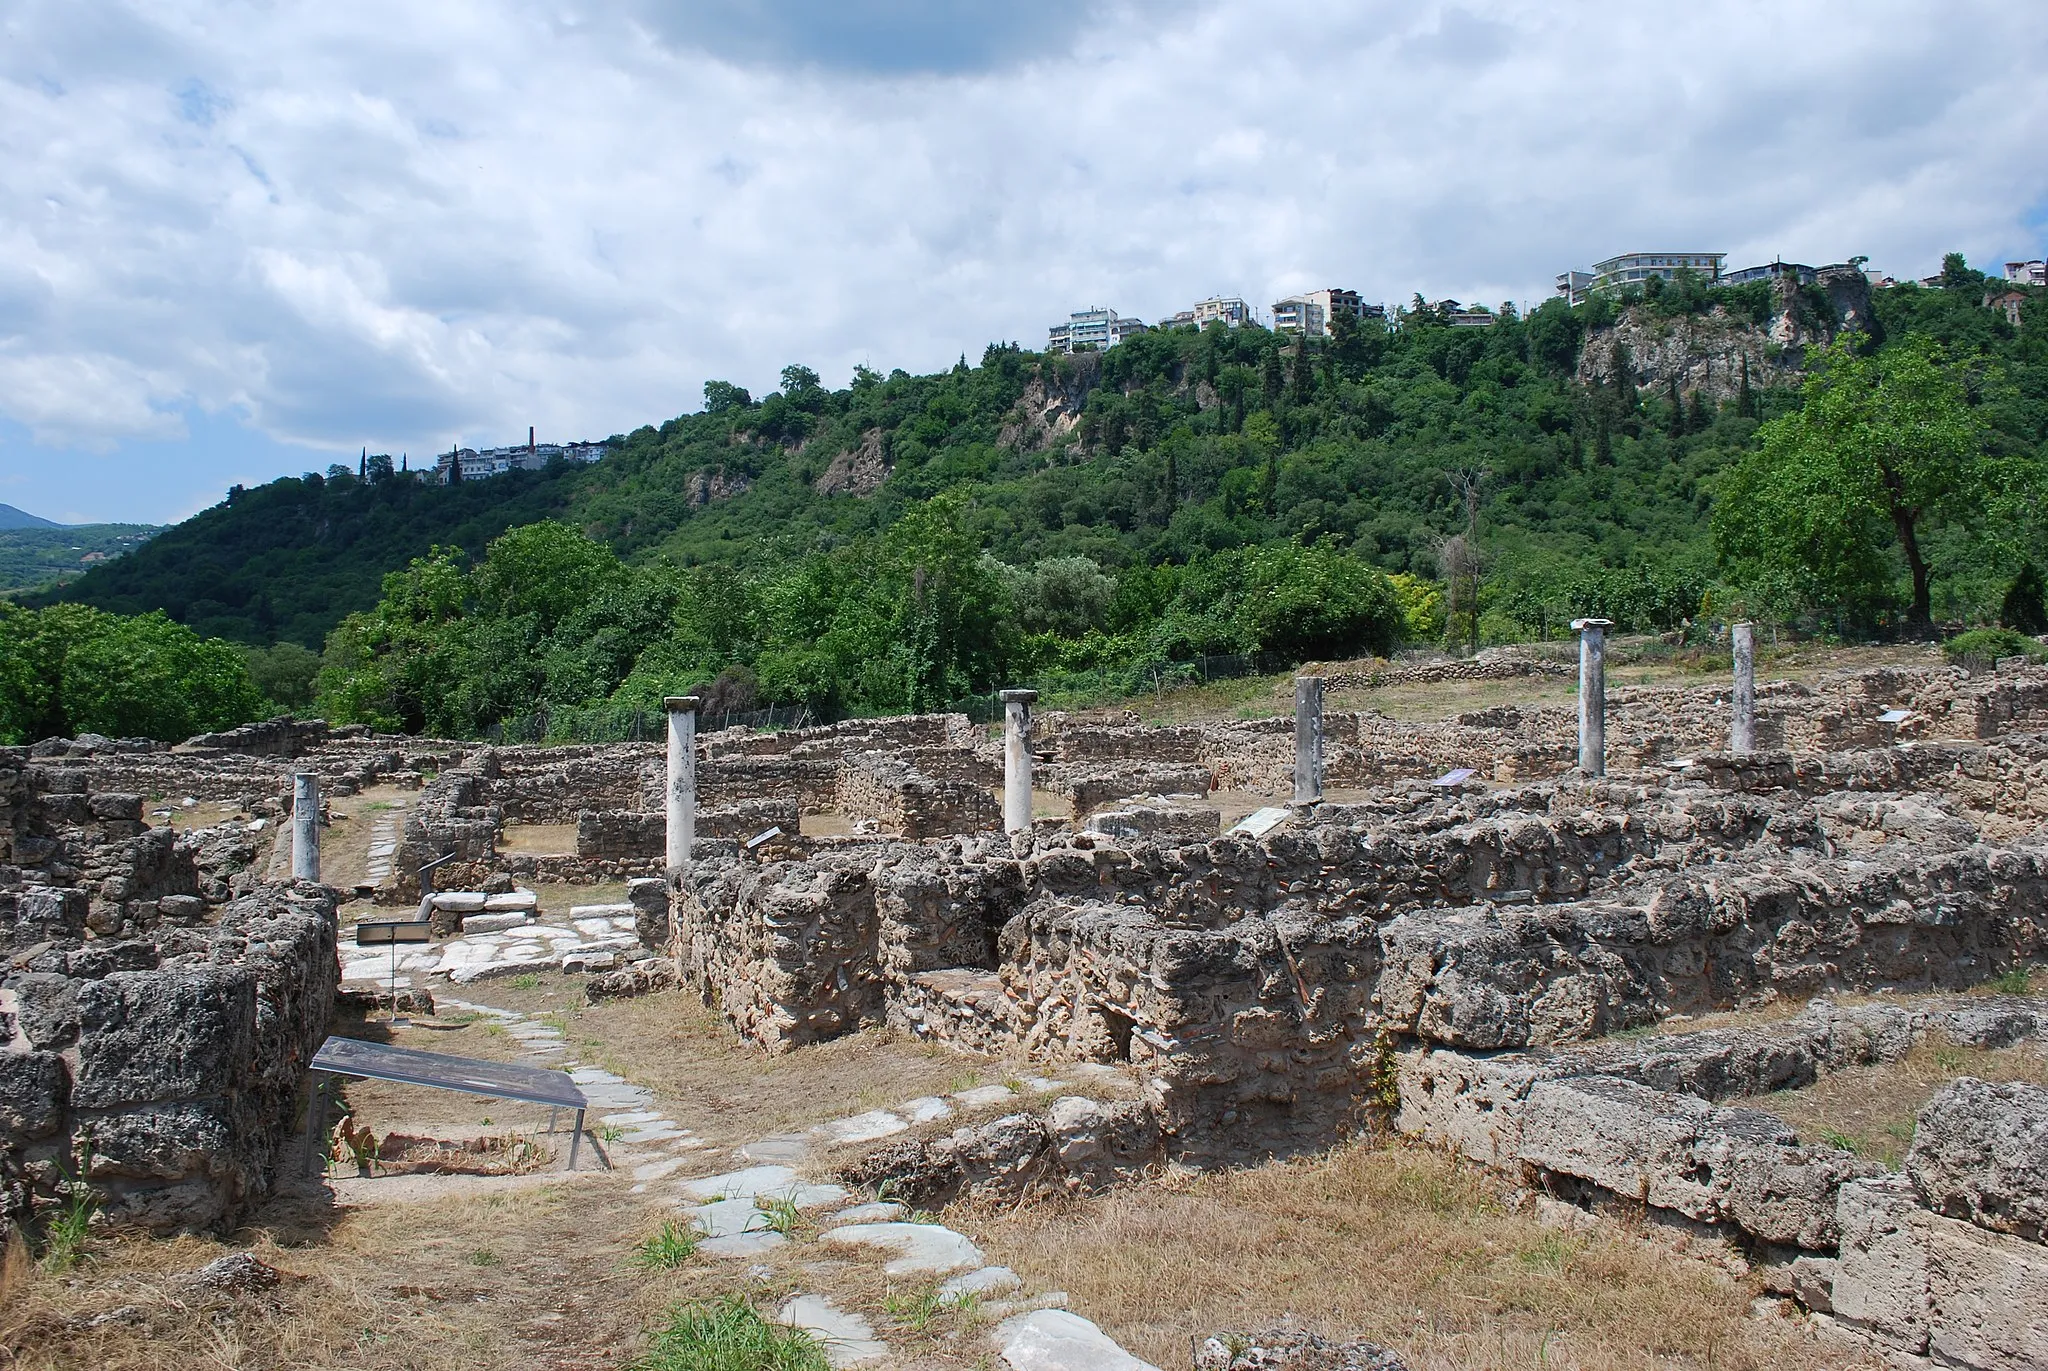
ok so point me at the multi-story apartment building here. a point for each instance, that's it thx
(1573, 285)
(1314, 311)
(1095, 328)
(1769, 271)
(1230, 310)
(2027, 273)
(1633, 268)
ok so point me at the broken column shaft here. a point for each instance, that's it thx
(305, 826)
(1742, 732)
(682, 779)
(1592, 695)
(1308, 740)
(1017, 759)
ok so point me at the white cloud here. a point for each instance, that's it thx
(403, 224)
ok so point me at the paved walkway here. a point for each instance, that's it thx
(743, 1212)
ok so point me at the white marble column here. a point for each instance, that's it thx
(682, 779)
(1742, 731)
(305, 826)
(1017, 759)
(1592, 695)
(1308, 740)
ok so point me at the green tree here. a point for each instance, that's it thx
(71, 669)
(721, 397)
(1880, 447)
(1309, 602)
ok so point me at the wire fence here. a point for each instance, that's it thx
(1056, 690)
(1114, 685)
(633, 725)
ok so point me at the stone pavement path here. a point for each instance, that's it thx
(591, 937)
(744, 1212)
(384, 843)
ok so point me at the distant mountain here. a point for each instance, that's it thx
(10, 517)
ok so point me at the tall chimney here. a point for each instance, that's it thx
(529, 440)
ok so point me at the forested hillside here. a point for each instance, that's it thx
(285, 561)
(33, 556)
(909, 538)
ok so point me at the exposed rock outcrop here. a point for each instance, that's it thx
(859, 470)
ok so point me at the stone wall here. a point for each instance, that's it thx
(886, 792)
(1255, 981)
(633, 833)
(167, 1066)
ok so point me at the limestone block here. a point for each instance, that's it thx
(1881, 1271)
(1055, 1340)
(148, 1036)
(46, 1006)
(493, 922)
(166, 1141)
(460, 901)
(1989, 1297)
(1980, 1153)
(1674, 1152)
(512, 902)
(33, 1088)
(1469, 1102)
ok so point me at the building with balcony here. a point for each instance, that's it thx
(1769, 271)
(1634, 268)
(2027, 273)
(1314, 312)
(1229, 310)
(1091, 330)
(1573, 285)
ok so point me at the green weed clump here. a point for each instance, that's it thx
(729, 1335)
(668, 1249)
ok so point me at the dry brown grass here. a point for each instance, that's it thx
(1871, 1110)
(1393, 1243)
(703, 1076)
(532, 1279)
(732, 1092)
(538, 840)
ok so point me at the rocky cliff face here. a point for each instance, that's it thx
(1709, 353)
(1052, 403)
(859, 470)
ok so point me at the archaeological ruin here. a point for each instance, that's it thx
(1490, 933)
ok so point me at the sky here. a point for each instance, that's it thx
(240, 241)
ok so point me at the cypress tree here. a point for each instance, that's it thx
(1269, 378)
(1745, 403)
(1304, 374)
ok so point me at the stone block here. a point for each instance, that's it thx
(1713, 1165)
(1980, 1154)
(512, 902)
(33, 1086)
(1928, 1285)
(111, 806)
(460, 901)
(494, 923)
(151, 1036)
(46, 1006)
(45, 913)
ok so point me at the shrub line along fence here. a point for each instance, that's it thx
(633, 725)
(1073, 689)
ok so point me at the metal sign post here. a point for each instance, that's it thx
(390, 933)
